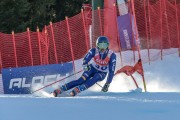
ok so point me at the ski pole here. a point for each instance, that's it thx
(56, 82)
(99, 85)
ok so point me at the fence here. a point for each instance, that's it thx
(157, 23)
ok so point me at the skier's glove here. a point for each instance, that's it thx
(86, 67)
(105, 87)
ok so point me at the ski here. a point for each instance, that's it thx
(64, 94)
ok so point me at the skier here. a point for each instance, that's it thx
(97, 63)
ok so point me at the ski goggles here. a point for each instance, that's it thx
(102, 45)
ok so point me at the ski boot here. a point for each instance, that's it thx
(77, 90)
(59, 91)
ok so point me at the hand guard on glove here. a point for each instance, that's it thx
(105, 87)
(86, 67)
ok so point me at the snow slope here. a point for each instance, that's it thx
(161, 102)
(92, 106)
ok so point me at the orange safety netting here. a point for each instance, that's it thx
(157, 24)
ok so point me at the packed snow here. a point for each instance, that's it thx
(161, 102)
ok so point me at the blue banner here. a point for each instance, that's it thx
(22, 80)
(125, 28)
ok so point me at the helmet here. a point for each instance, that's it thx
(102, 43)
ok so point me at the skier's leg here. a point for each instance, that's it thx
(69, 86)
(86, 75)
(78, 89)
(88, 83)
(97, 77)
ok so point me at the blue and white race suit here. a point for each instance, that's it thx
(101, 64)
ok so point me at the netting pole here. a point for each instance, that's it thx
(39, 43)
(133, 44)
(118, 37)
(30, 48)
(54, 44)
(150, 32)
(167, 23)
(161, 29)
(147, 43)
(70, 41)
(100, 23)
(0, 57)
(1, 66)
(85, 30)
(137, 39)
(14, 46)
(0, 62)
(47, 43)
(177, 27)
(135, 29)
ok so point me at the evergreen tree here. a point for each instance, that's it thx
(17, 15)
(13, 15)
(41, 13)
(67, 8)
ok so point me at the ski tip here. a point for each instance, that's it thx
(52, 94)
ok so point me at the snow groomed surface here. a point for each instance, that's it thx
(92, 105)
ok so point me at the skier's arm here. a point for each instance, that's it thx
(89, 56)
(112, 66)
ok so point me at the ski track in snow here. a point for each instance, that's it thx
(92, 106)
(121, 97)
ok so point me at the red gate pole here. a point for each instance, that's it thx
(39, 43)
(134, 81)
(138, 42)
(70, 41)
(30, 48)
(54, 44)
(118, 37)
(14, 46)
(85, 30)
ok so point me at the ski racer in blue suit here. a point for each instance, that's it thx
(97, 63)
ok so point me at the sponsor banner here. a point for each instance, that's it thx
(125, 32)
(122, 7)
(23, 80)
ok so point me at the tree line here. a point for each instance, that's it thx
(17, 15)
